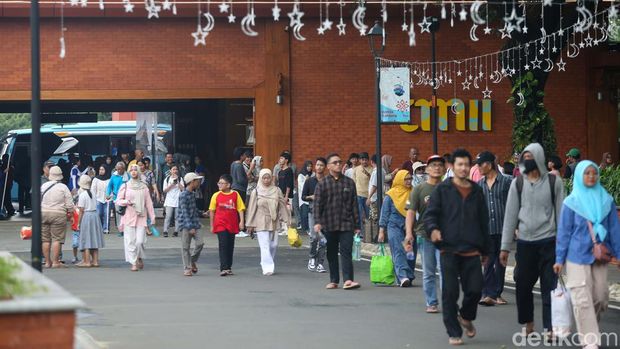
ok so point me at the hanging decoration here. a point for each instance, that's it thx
(249, 21)
(231, 17)
(412, 26)
(128, 6)
(295, 22)
(358, 18)
(275, 11)
(63, 51)
(341, 25)
(199, 35)
(152, 9)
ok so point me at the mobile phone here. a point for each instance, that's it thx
(175, 181)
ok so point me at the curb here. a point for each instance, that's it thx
(369, 250)
(83, 340)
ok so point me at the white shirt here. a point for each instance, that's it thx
(98, 188)
(349, 172)
(86, 202)
(301, 179)
(172, 196)
(373, 183)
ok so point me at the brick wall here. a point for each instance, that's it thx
(332, 77)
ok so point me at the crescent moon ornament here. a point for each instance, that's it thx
(604, 34)
(420, 80)
(549, 65)
(476, 83)
(585, 19)
(454, 107)
(62, 48)
(521, 99)
(498, 77)
(297, 32)
(210, 22)
(474, 13)
(574, 53)
(543, 35)
(247, 22)
(472, 32)
(358, 19)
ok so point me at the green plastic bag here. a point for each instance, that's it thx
(382, 268)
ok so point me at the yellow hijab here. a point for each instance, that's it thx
(399, 192)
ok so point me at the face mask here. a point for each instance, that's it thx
(530, 165)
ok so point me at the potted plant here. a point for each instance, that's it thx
(10, 284)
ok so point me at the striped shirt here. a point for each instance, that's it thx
(496, 198)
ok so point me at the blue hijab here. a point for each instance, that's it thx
(594, 203)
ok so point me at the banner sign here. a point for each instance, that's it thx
(394, 90)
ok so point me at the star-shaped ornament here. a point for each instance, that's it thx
(405, 27)
(506, 32)
(596, 42)
(74, 2)
(275, 12)
(554, 49)
(547, 2)
(128, 6)
(320, 30)
(541, 51)
(613, 12)
(232, 18)
(526, 67)
(487, 30)
(465, 85)
(492, 76)
(450, 80)
(166, 5)
(153, 11)
(470, 77)
(463, 14)
(513, 21)
(224, 7)
(588, 41)
(295, 16)
(327, 24)
(561, 32)
(341, 27)
(481, 75)
(459, 73)
(200, 36)
(561, 65)
(425, 26)
(524, 29)
(513, 71)
(486, 94)
(536, 63)
(582, 45)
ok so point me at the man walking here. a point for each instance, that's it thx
(188, 222)
(238, 173)
(457, 221)
(534, 205)
(317, 240)
(413, 158)
(416, 206)
(361, 176)
(495, 188)
(336, 214)
(572, 159)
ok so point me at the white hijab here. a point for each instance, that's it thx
(268, 192)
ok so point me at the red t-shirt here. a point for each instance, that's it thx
(227, 207)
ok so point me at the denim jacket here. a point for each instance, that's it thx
(390, 217)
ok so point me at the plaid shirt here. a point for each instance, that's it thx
(496, 199)
(335, 204)
(187, 213)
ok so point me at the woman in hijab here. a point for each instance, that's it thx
(255, 166)
(135, 196)
(266, 212)
(98, 188)
(606, 161)
(393, 213)
(588, 215)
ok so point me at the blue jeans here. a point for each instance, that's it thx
(103, 212)
(402, 266)
(303, 211)
(363, 210)
(430, 265)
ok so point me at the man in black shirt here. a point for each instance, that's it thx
(317, 244)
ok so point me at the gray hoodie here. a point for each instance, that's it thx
(535, 219)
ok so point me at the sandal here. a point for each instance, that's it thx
(350, 285)
(331, 286)
(95, 265)
(223, 273)
(134, 268)
(455, 341)
(187, 272)
(468, 326)
(83, 265)
(140, 263)
(229, 272)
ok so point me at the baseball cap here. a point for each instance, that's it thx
(485, 156)
(192, 176)
(574, 153)
(416, 165)
(435, 158)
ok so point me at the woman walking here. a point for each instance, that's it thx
(226, 217)
(173, 185)
(304, 206)
(148, 177)
(98, 188)
(265, 213)
(393, 213)
(588, 216)
(91, 232)
(134, 195)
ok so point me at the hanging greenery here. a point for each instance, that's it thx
(532, 122)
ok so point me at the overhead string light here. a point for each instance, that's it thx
(63, 51)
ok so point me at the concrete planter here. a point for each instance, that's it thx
(43, 320)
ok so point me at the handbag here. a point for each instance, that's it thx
(122, 209)
(561, 310)
(293, 237)
(599, 250)
(382, 268)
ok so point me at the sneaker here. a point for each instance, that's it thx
(320, 269)
(282, 233)
(311, 265)
(74, 260)
(405, 282)
(175, 234)
(165, 234)
(242, 234)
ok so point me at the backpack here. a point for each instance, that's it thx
(551, 186)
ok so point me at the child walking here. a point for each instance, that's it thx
(91, 231)
(188, 222)
(226, 216)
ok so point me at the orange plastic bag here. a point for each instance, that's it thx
(76, 219)
(26, 233)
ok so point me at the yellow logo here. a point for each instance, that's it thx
(475, 121)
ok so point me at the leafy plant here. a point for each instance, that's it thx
(532, 122)
(10, 284)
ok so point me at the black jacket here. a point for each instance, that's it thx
(464, 224)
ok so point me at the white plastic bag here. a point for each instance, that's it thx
(561, 310)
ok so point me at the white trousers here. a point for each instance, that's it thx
(267, 250)
(135, 239)
(589, 293)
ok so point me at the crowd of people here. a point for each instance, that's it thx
(464, 215)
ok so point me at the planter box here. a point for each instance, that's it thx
(43, 320)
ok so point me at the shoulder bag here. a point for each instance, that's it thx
(599, 250)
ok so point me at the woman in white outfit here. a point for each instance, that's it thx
(173, 185)
(265, 212)
(135, 196)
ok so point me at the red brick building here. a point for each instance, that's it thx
(125, 62)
